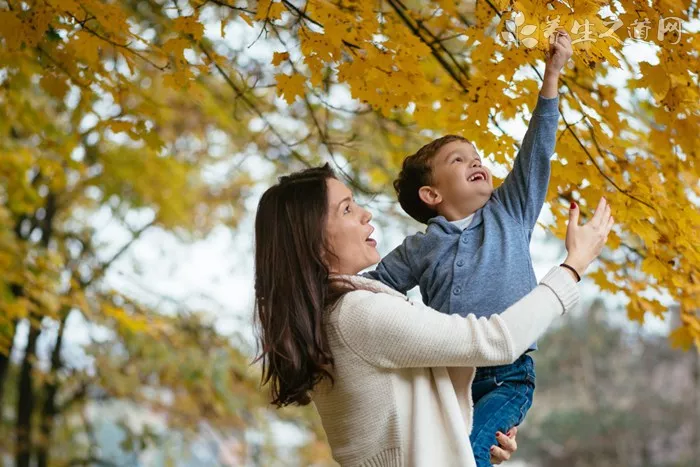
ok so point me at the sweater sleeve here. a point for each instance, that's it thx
(525, 188)
(389, 332)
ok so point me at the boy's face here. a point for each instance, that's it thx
(461, 183)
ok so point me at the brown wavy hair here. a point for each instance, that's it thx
(292, 285)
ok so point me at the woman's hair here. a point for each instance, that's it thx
(292, 288)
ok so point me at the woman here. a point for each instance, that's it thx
(390, 379)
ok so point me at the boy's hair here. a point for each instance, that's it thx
(416, 172)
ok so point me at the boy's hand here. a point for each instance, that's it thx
(560, 51)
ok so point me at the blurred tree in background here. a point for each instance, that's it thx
(608, 397)
(151, 111)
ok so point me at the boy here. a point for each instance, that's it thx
(474, 256)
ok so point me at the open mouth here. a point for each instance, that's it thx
(371, 241)
(477, 176)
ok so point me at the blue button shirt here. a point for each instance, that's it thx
(486, 267)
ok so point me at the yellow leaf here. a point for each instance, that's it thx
(36, 23)
(279, 57)
(379, 176)
(635, 312)
(652, 266)
(269, 11)
(70, 6)
(118, 126)
(54, 85)
(681, 338)
(11, 30)
(176, 46)
(189, 25)
(135, 324)
(602, 281)
(87, 48)
(247, 19)
(614, 241)
(655, 78)
(290, 86)
(178, 80)
(276, 11)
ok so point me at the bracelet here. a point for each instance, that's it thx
(578, 277)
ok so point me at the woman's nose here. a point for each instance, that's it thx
(367, 216)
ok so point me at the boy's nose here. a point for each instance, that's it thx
(475, 163)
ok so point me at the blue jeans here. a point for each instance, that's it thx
(502, 396)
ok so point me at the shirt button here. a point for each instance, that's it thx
(460, 263)
(464, 239)
(457, 290)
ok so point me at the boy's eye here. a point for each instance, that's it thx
(457, 159)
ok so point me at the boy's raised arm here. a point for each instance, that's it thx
(395, 269)
(524, 190)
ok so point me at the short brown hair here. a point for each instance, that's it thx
(416, 172)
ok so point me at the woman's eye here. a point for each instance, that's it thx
(347, 209)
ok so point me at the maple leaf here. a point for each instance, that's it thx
(290, 86)
(279, 57)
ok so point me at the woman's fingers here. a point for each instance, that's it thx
(508, 445)
(597, 218)
(609, 226)
(508, 442)
(499, 455)
(573, 214)
(606, 216)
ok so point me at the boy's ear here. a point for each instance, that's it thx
(429, 196)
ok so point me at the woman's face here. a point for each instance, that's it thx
(347, 232)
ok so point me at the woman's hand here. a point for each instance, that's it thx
(585, 242)
(507, 447)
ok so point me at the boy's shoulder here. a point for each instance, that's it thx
(497, 209)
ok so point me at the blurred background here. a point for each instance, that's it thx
(136, 138)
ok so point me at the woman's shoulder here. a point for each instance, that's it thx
(359, 283)
(366, 300)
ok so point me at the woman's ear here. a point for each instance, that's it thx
(429, 196)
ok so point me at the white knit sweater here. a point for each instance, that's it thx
(403, 372)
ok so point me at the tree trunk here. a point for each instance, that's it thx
(5, 362)
(17, 291)
(51, 389)
(695, 362)
(25, 402)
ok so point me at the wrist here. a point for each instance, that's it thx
(572, 272)
(577, 264)
(552, 72)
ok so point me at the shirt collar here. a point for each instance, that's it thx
(448, 226)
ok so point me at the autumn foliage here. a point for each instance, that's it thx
(130, 106)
